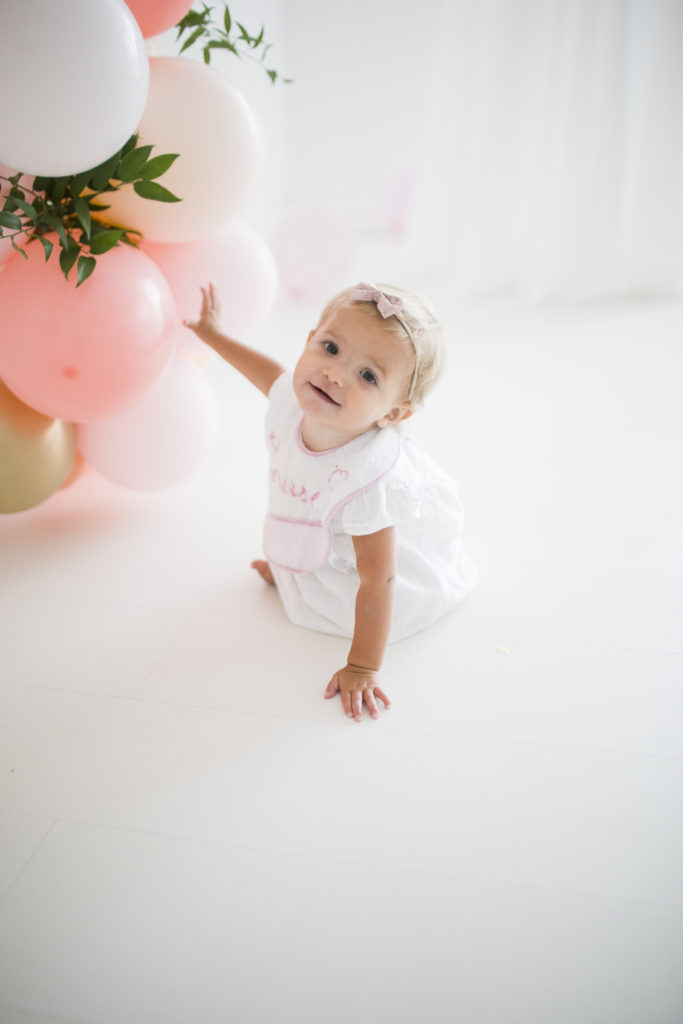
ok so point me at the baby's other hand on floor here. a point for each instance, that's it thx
(357, 686)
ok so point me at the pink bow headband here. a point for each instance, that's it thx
(387, 305)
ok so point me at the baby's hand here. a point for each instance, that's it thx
(210, 314)
(357, 686)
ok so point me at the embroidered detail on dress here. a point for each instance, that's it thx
(289, 487)
(337, 476)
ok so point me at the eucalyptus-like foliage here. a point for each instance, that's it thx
(65, 206)
(230, 35)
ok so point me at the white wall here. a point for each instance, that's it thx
(348, 128)
(356, 112)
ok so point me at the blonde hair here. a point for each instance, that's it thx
(417, 330)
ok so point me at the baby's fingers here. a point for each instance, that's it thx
(369, 699)
(383, 697)
(332, 687)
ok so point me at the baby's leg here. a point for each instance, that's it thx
(263, 569)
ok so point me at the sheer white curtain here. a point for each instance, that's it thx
(553, 153)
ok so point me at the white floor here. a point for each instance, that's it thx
(190, 834)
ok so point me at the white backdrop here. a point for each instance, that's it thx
(540, 142)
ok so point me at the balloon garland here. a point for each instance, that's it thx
(91, 344)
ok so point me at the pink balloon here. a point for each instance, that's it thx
(314, 249)
(162, 439)
(236, 260)
(155, 16)
(84, 353)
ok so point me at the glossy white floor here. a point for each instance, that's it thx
(191, 834)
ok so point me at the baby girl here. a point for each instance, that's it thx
(363, 531)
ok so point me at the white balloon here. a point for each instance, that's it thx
(192, 111)
(74, 76)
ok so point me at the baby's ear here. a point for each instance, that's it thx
(395, 415)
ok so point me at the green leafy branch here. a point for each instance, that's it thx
(231, 36)
(68, 207)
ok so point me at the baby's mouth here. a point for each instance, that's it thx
(323, 394)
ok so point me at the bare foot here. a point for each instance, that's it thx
(263, 569)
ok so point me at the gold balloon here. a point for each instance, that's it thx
(36, 454)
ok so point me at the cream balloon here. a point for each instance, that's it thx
(37, 454)
(74, 77)
(194, 112)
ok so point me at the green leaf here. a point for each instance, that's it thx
(58, 188)
(18, 249)
(101, 175)
(227, 20)
(105, 240)
(86, 265)
(192, 39)
(272, 75)
(47, 245)
(56, 224)
(158, 165)
(207, 55)
(40, 183)
(68, 256)
(129, 168)
(131, 144)
(83, 214)
(9, 220)
(152, 190)
(27, 208)
(78, 183)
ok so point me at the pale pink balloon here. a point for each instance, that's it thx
(314, 248)
(193, 111)
(162, 439)
(237, 260)
(84, 353)
(155, 16)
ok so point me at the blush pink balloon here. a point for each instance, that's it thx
(84, 353)
(314, 249)
(155, 16)
(237, 260)
(162, 439)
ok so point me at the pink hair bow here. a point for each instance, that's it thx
(387, 304)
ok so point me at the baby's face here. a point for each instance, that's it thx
(352, 375)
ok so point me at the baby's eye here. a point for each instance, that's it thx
(330, 347)
(369, 376)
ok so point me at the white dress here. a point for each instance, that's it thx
(406, 489)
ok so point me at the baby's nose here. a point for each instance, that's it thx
(335, 374)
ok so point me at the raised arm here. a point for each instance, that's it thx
(256, 367)
(358, 681)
